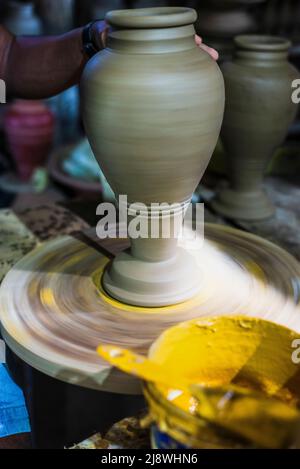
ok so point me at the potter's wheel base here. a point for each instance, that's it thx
(248, 206)
(153, 284)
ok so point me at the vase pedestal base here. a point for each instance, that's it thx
(152, 284)
(250, 206)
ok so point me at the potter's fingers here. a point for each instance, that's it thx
(212, 52)
(198, 40)
(100, 33)
(103, 36)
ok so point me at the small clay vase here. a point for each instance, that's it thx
(258, 113)
(22, 20)
(152, 106)
(29, 129)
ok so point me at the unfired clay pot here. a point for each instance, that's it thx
(29, 130)
(258, 113)
(152, 106)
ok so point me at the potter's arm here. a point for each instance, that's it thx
(39, 67)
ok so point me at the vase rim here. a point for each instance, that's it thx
(159, 17)
(263, 43)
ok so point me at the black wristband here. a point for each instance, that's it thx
(87, 40)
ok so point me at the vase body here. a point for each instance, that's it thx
(152, 107)
(29, 128)
(22, 20)
(258, 113)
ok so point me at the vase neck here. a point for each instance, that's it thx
(260, 58)
(152, 30)
(152, 41)
(261, 50)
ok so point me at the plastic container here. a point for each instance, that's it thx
(215, 352)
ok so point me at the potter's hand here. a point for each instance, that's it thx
(100, 31)
(212, 52)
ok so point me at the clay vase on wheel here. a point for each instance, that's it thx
(259, 110)
(152, 107)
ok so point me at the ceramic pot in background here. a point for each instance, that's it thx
(57, 15)
(220, 20)
(29, 128)
(154, 142)
(258, 113)
(65, 107)
(101, 7)
(22, 20)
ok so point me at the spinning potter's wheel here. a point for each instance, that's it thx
(54, 311)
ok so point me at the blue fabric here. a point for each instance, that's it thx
(13, 413)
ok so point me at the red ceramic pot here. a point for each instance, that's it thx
(29, 128)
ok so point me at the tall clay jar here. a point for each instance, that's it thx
(258, 113)
(152, 106)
